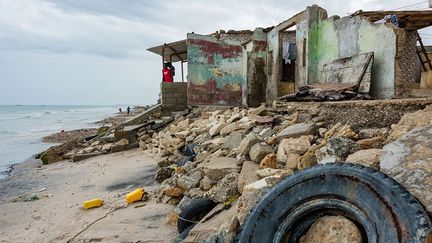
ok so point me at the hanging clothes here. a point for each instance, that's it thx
(286, 52)
(289, 52)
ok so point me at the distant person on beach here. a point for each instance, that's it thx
(120, 110)
(128, 110)
(168, 73)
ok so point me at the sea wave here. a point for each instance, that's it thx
(5, 171)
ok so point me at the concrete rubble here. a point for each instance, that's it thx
(226, 155)
(222, 140)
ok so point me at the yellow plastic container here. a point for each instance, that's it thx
(94, 203)
(135, 195)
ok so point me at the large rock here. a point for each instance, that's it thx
(182, 134)
(341, 130)
(221, 227)
(183, 125)
(292, 146)
(173, 192)
(373, 132)
(269, 161)
(409, 161)
(225, 189)
(163, 161)
(257, 111)
(207, 183)
(259, 150)
(336, 150)
(247, 174)
(297, 130)
(248, 142)
(163, 174)
(332, 229)
(410, 121)
(215, 129)
(233, 141)
(368, 143)
(230, 128)
(218, 167)
(292, 161)
(56, 153)
(189, 182)
(266, 132)
(106, 147)
(367, 157)
(253, 192)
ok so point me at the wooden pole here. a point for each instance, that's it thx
(182, 71)
(430, 3)
(163, 56)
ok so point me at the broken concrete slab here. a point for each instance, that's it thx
(224, 189)
(248, 142)
(247, 174)
(259, 150)
(233, 141)
(297, 130)
(292, 145)
(336, 150)
(218, 167)
(409, 161)
(210, 228)
(368, 157)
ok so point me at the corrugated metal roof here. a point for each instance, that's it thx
(174, 51)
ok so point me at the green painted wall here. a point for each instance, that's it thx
(332, 39)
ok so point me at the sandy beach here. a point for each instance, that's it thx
(58, 216)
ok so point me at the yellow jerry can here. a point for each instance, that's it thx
(94, 203)
(135, 195)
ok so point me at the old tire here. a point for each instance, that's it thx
(183, 235)
(194, 212)
(383, 210)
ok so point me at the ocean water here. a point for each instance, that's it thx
(23, 127)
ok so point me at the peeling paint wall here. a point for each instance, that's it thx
(216, 74)
(335, 38)
(302, 21)
(257, 68)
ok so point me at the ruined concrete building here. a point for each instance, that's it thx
(374, 52)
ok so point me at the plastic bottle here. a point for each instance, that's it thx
(135, 195)
(94, 203)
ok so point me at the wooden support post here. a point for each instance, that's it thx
(163, 56)
(182, 71)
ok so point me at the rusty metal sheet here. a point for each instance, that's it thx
(216, 74)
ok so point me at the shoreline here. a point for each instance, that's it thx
(58, 138)
(62, 187)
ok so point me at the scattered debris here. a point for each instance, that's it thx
(93, 203)
(135, 195)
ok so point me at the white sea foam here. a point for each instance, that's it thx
(23, 127)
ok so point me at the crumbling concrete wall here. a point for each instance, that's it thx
(257, 68)
(406, 66)
(216, 74)
(174, 96)
(336, 38)
(302, 21)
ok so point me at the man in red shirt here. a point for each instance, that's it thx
(168, 73)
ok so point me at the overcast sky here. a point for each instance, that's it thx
(94, 51)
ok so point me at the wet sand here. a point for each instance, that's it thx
(57, 216)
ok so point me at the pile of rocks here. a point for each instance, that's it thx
(241, 152)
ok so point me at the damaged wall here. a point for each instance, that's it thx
(335, 38)
(257, 68)
(406, 63)
(216, 74)
(302, 21)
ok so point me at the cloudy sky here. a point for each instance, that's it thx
(94, 51)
